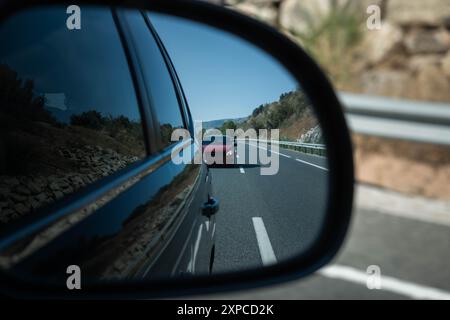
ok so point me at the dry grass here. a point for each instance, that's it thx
(408, 167)
(333, 41)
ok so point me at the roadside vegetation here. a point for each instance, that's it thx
(120, 128)
(291, 114)
(30, 136)
(333, 40)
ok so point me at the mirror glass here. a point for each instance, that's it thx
(138, 145)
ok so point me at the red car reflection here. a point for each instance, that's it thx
(218, 151)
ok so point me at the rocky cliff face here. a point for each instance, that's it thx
(314, 135)
(408, 57)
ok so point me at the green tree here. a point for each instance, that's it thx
(90, 119)
(17, 97)
(229, 124)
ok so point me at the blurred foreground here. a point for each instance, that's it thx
(408, 57)
(405, 236)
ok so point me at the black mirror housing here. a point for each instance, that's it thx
(339, 152)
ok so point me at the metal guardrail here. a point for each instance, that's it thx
(301, 144)
(427, 122)
(310, 148)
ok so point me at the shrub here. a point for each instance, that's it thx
(90, 119)
(17, 97)
(330, 38)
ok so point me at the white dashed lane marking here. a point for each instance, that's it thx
(281, 154)
(264, 245)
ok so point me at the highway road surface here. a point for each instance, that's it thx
(264, 219)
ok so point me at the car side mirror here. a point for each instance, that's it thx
(101, 174)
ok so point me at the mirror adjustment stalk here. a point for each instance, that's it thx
(210, 207)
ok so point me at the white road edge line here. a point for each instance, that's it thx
(241, 169)
(181, 255)
(213, 230)
(284, 155)
(264, 245)
(391, 284)
(281, 154)
(311, 164)
(412, 207)
(197, 244)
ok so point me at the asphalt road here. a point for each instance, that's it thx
(412, 253)
(289, 205)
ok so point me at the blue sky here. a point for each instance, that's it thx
(222, 75)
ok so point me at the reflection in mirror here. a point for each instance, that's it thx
(210, 161)
(273, 195)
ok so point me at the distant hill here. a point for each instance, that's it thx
(292, 114)
(218, 123)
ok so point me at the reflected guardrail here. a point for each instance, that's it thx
(308, 148)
